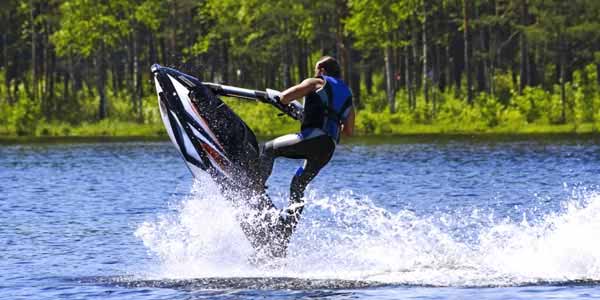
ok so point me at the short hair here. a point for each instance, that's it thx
(330, 65)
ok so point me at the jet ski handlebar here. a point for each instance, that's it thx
(227, 90)
(294, 109)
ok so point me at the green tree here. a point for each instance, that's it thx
(565, 29)
(374, 23)
(91, 29)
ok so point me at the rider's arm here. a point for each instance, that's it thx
(348, 125)
(298, 91)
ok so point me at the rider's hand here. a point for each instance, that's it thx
(273, 95)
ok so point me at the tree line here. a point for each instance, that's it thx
(83, 59)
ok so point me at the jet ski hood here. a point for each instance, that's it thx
(208, 134)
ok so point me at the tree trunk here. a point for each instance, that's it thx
(139, 90)
(4, 51)
(417, 59)
(355, 59)
(15, 88)
(425, 54)
(225, 69)
(43, 72)
(163, 51)
(355, 87)
(65, 95)
(449, 62)
(408, 80)
(466, 51)
(101, 82)
(399, 69)
(212, 72)
(152, 56)
(369, 78)
(46, 71)
(7, 75)
(287, 73)
(175, 17)
(437, 78)
(34, 73)
(598, 73)
(51, 83)
(136, 80)
(66, 84)
(401, 63)
(302, 62)
(414, 73)
(15, 77)
(524, 62)
(492, 55)
(483, 80)
(533, 78)
(523, 70)
(414, 65)
(388, 79)
(458, 64)
(270, 76)
(76, 71)
(563, 95)
(115, 64)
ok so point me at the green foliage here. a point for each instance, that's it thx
(258, 32)
(511, 120)
(586, 94)
(5, 113)
(150, 13)
(374, 21)
(24, 117)
(535, 111)
(503, 87)
(263, 119)
(376, 102)
(86, 25)
(104, 128)
(104, 44)
(534, 104)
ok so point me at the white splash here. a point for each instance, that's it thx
(200, 237)
(348, 237)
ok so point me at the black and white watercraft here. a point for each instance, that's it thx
(213, 140)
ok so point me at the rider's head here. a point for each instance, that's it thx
(329, 66)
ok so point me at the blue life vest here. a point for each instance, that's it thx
(328, 107)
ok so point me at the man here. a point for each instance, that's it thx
(328, 111)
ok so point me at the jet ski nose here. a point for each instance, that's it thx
(155, 67)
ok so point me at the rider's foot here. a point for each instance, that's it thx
(292, 212)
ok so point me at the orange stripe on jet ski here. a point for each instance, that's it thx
(212, 135)
(214, 154)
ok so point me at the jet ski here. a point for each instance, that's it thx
(214, 141)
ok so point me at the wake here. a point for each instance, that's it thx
(347, 237)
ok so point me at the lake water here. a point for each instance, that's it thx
(410, 219)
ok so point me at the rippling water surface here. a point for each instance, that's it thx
(436, 219)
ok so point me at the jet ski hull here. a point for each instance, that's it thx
(213, 140)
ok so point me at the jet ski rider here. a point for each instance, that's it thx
(328, 111)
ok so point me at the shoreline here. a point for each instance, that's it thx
(15, 140)
(357, 139)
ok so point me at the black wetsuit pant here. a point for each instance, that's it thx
(316, 148)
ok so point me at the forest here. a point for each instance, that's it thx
(82, 67)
